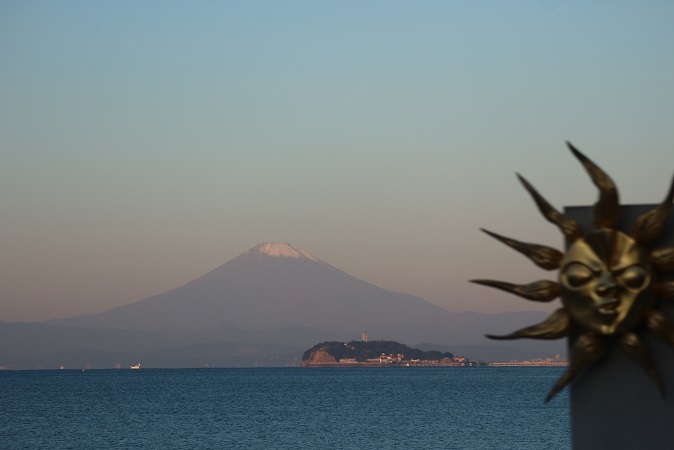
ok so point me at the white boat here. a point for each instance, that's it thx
(137, 366)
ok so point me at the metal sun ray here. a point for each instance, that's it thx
(651, 224)
(538, 291)
(567, 226)
(546, 258)
(557, 325)
(607, 209)
(587, 349)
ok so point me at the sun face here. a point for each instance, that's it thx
(609, 282)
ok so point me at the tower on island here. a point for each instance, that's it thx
(364, 335)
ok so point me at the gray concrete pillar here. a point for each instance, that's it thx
(614, 404)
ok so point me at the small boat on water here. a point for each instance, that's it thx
(137, 366)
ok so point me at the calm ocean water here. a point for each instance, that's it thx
(284, 408)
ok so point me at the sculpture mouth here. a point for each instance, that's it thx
(609, 306)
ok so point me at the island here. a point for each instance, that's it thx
(379, 354)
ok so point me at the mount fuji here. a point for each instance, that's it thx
(273, 293)
(279, 285)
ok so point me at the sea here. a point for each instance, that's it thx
(284, 408)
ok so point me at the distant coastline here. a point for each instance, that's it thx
(557, 361)
(395, 354)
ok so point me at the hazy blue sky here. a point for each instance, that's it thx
(142, 144)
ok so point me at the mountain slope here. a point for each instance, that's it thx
(275, 286)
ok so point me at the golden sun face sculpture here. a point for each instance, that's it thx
(610, 284)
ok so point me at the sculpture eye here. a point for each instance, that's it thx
(634, 277)
(577, 274)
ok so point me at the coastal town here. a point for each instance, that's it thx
(392, 360)
(455, 361)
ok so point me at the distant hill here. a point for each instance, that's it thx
(327, 352)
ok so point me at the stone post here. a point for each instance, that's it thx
(614, 404)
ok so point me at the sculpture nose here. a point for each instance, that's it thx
(607, 287)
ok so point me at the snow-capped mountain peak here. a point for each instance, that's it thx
(281, 250)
